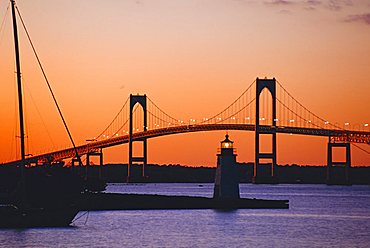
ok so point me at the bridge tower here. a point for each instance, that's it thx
(332, 173)
(270, 85)
(141, 100)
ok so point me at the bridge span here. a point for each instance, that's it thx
(337, 135)
(265, 108)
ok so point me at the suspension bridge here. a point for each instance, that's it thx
(265, 108)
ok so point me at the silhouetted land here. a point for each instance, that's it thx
(49, 186)
(114, 173)
(112, 201)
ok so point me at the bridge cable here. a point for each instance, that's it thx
(240, 110)
(162, 112)
(124, 105)
(291, 111)
(233, 102)
(305, 107)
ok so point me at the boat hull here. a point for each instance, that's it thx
(13, 217)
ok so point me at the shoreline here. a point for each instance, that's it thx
(119, 201)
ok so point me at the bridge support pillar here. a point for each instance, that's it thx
(333, 168)
(141, 100)
(94, 153)
(258, 177)
(76, 162)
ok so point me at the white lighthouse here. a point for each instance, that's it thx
(226, 179)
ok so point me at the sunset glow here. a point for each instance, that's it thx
(192, 58)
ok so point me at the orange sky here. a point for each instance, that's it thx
(193, 58)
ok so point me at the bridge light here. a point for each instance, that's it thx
(326, 122)
(291, 121)
(346, 124)
(276, 119)
(309, 121)
(247, 118)
(116, 134)
(366, 124)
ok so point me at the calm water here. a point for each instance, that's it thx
(319, 216)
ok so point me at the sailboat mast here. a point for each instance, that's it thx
(19, 81)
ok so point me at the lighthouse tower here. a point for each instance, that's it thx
(226, 180)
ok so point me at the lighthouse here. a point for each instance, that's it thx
(226, 179)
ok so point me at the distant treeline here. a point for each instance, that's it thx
(177, 173)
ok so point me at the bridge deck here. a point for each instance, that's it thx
(337, 135)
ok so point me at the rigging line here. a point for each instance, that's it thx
(15, 119)
(124, 105)
(79, 217)
(3, 21)
(362, 149)
(38, 111)
(48, 84)
(26, 124)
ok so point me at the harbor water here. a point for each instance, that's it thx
(319, 216)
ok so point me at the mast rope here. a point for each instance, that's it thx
(360, 148)
(49, 86)
(3, 21)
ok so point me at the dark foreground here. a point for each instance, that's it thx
(115, 201)
(318, 216)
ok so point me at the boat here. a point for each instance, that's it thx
(41, 196)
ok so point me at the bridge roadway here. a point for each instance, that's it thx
(336, 136)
